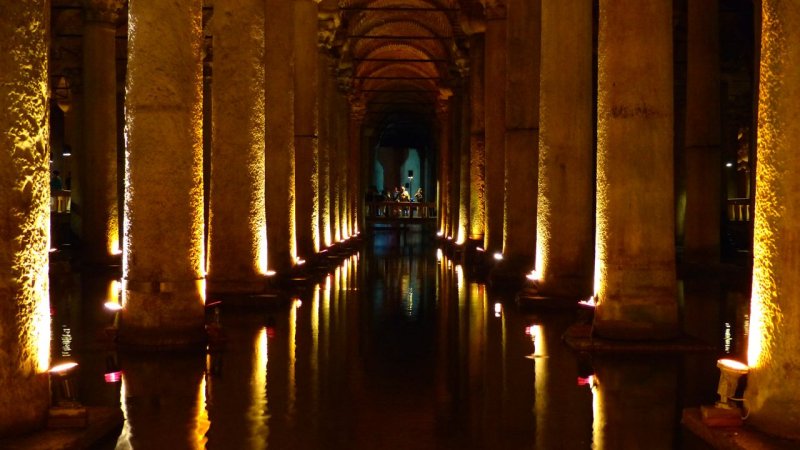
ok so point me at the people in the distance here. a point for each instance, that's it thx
(404, 197)
(418, 197)
(55, 181)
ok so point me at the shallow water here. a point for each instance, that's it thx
(395, 349)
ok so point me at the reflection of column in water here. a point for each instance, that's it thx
(292, 360)
(315, 306)
(635, 403)
(562, 407)
(164, 401)
(478, 315)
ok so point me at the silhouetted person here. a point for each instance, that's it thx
(55, 181)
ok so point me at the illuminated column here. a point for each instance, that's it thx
(443, 119)
(454, 164)
(237, 229)
(358, 111)
(522, 132)
(495, 123)
(306, 126)
(462, 171)
(279, 113)
(324, 148)
(163, 248)
(333, 160)
(773, 386)
(477, 156)
(24, 224)
(635, 241)
(99, 210)
(703, 164)
(343, 152)
(566, 153)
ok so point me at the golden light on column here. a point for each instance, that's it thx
(293, 359)
(598, 417)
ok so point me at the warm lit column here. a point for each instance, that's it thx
(279, 112)
(357, 113)
(635, 240)
(99, 209)
(24, 224)
(237, 224)
(774, 344)
(326, 90)
(306, 135)
(454, 164)
(703, 165)
(343, 151)
(522, 132)
(477, 153)
(334, 161)
(495, 123)
(464, 146)
(565, 219)
(443, 122)
(163, 251)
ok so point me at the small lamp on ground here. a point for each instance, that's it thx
(725, 413)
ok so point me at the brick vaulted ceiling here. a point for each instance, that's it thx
(401, 56)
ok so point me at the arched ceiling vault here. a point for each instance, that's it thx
(397, 56)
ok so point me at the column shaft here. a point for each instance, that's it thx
(464, 145)
(703, 159)
(24, 224)
(237, 229)
(635, 268)
(774, 338)
(324, 172)
(100, 214)
(306, 129)
(565, 218)
(477, 156)
(163, 254)
(279, 112)
(495, 122)
(522, 133)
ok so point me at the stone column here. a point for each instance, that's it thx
(237, 223)
(334, 163)
(306, 127)
(703, 163)
(565, 218)
(443, 122)
(358, 111)
(100, 224)
(279, 114)
(522, 133)
(477, 152)
(495, 123)
(454, 164)
(24, 224)
(163, 243)
(343, 151)
(163, 258)
(324, 142)
(774, 339)
(635, 240)
(464, 146)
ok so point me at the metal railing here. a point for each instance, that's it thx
(60, 201)
(739, 210)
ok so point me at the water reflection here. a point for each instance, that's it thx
(396, 348)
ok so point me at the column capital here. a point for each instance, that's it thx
(494, 9)
(443, 101)
(358, 106)
(329, 22)
(106, 11)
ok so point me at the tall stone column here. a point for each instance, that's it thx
(342, 133)
(163, 243)
(703, 163)
(774, 338)
(635, 240)
(324, 148)
(522, 133)
(565, 217)
(279, 114)
(335, 163)
(306, 126)
(454, 164)
(495, 123)
(100, 224)
(25, 222)
(444, 127)
(358, 111)
(477, 152)
(237, 221)
(464, 146)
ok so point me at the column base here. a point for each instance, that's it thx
(637, 319)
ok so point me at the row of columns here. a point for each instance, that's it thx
(628, 234)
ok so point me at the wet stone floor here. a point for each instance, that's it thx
(395, 349)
